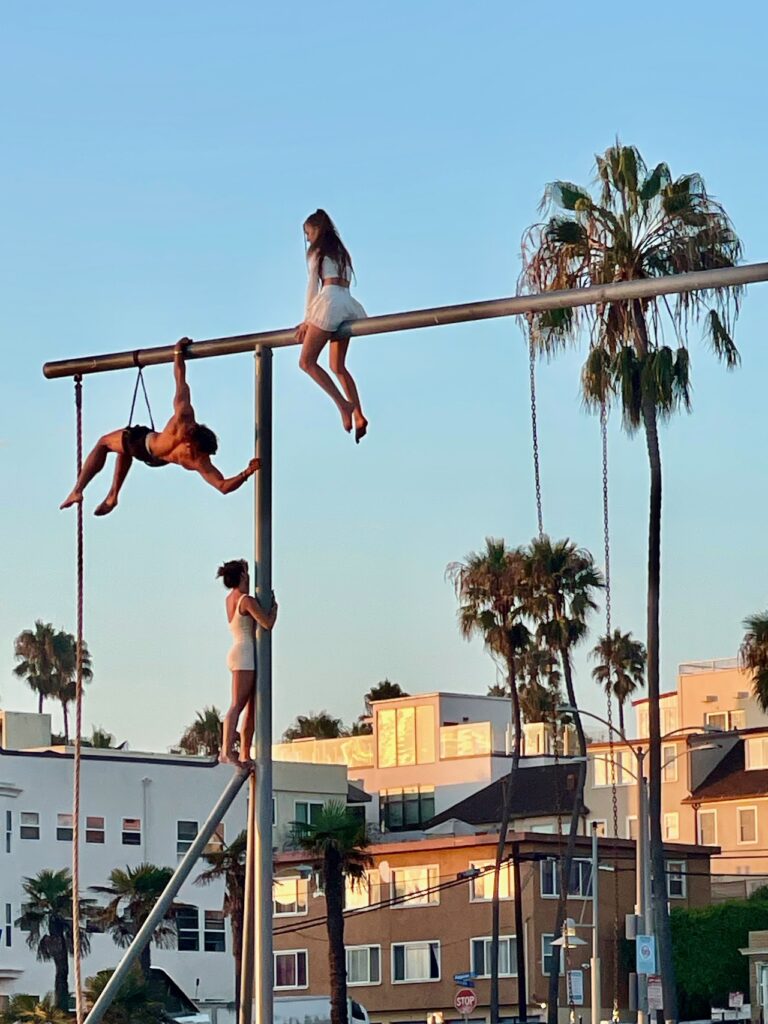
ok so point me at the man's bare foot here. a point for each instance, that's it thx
(229, 757)
(346, 416)
(105, 507)
(361, 427)
(74, 499)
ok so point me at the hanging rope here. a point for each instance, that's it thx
(140, 380)
(611, 745)
(78, 719)
(535, 433)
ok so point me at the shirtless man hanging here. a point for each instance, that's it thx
(182, 441)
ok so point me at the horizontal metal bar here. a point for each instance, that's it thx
(516, 305)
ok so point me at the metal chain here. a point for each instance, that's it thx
(76, 938)
(535, 434)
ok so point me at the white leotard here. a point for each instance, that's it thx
(241, 655)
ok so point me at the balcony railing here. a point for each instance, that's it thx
(469, 739)
(353, 751)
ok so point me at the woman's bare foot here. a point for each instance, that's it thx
(105, 507)
(346, 416)
(74, 499)
(361, 427)
(228, 757)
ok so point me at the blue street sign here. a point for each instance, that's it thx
(465, 979)
(645, 954)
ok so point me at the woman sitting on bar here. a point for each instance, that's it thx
(182, 441)
(329, 304)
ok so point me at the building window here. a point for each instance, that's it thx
(642, 722)
(676, 879)
(289, 896)
(481, 887)
(708, 828)
(416, 886)
(669, 762)
(671, 826)
(632, 827)
(619, 768)
(362, 893)
(756, 753)
(548, 951)
(131, 831)
(307, 812)
(291, 968)
(668, 720)
(8, 925)
(481, 957)
(727, 721)
(406, 808)
(29, 825)
(580, 884)
(186, 831)
(214, 936)
(600, 826)
(188, 929)
(415, 961)
(64, 828)
(363, 965)
(406, 736)
(747, 825)
(94, 830)
(8, 830)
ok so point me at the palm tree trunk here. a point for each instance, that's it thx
(236, 924)
(40, 702)
(621, 718)
(61, 983)
(570, 849)
(658, 866)
(65, 713)
(337, 958)
(506, 808)
(145, 961)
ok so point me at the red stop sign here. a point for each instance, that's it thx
(465, 1001)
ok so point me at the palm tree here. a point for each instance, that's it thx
(101, 739)
(620, 668)
(337, 842)
(25, 1009)
(753, 655)
(540, 693)
(492, 587)
(643, 224)
(47, 918)
(205, 733)
(65, 672)
(563, 582)
(33, 649)
(133, 893)
(320, 725)
(384, 690)
(134, 1003)
(229, 863)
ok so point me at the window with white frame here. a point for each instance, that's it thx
(363, 965)
(642, 722)
(580, 882)
(416, 886)
(747, 825)
(8, 925)
(415, 961)
(676, 879)
(64, 828)
(549, 953)
(708, 827)
(668, 719)
(131, 832)
(669, 762)
(289, 896)
(600, 826)
(188, 929)
(756, 753)
(481, 956)
(290, 968)
(8, 830)
(671, 826)
(618, 768)
(214, 935)
(726, 720)
(186, 832)
(307, 812)
(29, 825)
(363, 892)
(94, 829)
(632, 830)
(481, 886)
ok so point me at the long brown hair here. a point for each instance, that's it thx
(329, 244)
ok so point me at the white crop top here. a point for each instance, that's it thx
(330, 268)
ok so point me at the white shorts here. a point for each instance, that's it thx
(241, 658)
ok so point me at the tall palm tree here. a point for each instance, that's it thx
(540, 693)
(492, 587)
(65, 672)
(204, 732)
(337, 842)
(34, 651)
(620, 668)
(133, 893)
(136, 1002)
(47, 918)
(25, 1009)
(229, 863)
(563, 583)
(753, 655)
(320, 725)
(642, 224)
(384, 690)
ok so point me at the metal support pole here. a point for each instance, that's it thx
(163, 905)
(245, 1012)
(595, 979)
(522, 977)
(263, 966)
(642, 867)
(516, 305)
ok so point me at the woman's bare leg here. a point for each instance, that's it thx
(246, 733)
(122, 465)
(314, 342)
(242, 691)
(94, 464)
(338, 363)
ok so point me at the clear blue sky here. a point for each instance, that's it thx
(157, 163)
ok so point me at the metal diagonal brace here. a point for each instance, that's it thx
(727, 277)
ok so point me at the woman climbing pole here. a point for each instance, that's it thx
(182, 441)
(329, 304)
(242, 612)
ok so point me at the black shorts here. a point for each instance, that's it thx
(135, 445)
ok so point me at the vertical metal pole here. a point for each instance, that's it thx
(246, 961)
(595, 974)
(522, 977)
(263, 967)
(642, 866)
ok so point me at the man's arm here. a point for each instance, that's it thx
(182, 400)
(226, 485)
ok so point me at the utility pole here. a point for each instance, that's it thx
(595, 980)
